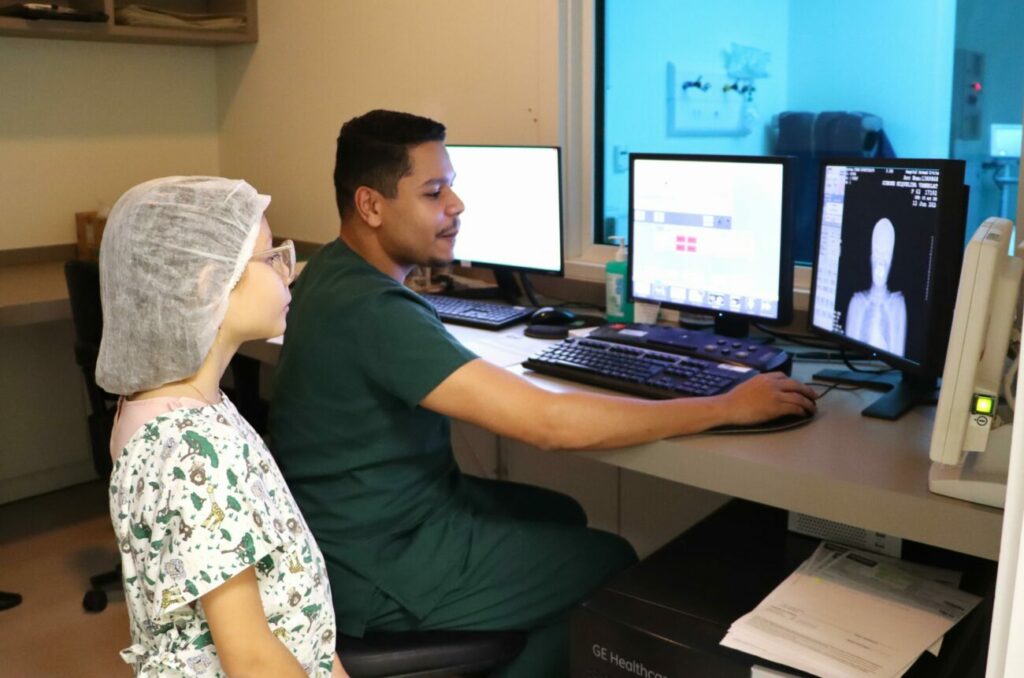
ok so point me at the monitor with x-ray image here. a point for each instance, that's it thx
(889, 246)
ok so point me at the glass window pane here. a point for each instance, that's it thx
(809, 78)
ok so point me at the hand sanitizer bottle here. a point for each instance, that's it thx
(617, 307)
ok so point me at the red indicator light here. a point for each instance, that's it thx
(976, 86)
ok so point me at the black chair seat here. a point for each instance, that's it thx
(428, 653)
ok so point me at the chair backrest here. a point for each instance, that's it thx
(810, 137)
(83, 280)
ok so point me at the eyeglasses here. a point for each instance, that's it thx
(280, 258)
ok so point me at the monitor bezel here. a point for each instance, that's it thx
(952, 206)
(785, 306)
(510, 268)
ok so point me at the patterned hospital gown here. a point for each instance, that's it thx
(196, 498)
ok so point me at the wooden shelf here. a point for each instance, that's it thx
(112, 31)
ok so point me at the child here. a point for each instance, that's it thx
(221, 574)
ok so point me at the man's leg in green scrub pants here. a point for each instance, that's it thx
(531, 561)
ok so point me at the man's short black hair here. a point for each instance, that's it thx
(373, 150)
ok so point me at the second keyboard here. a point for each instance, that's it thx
(636, 371)
(475, 313)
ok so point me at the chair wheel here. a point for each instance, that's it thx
(94, 601)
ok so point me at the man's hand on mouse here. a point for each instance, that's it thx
(768, 396)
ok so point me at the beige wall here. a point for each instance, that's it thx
(488, 69)
(80, 122)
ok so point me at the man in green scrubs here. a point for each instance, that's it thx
(367, 381)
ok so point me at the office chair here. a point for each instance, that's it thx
(83, 280)
(428, 654)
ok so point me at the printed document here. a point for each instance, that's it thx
(846, 612)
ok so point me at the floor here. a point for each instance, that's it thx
(49, 546)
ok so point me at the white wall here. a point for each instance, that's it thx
(80, 122)
(487, 69)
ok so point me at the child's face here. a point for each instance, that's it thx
(259, 303)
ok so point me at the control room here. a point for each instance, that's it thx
(694, 302)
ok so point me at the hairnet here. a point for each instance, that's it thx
(172, 251)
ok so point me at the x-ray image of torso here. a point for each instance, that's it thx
(877, 316)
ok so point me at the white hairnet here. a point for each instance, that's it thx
(172, 251)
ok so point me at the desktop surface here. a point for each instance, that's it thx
(870, 473)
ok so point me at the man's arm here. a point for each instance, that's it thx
(509, 405)
(243, 639)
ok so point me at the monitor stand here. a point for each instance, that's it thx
(506, 289)
(904, 390)
(728, 325)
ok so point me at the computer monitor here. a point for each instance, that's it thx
(513, 216)
(970, 444)
(887, 260)
(711, 234)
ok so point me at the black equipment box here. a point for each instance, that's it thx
(665, 617)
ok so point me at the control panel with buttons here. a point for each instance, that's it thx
(698, 343)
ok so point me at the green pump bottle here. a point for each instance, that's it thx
(617, 307)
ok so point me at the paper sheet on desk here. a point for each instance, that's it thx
(504, 348)
(851, 613)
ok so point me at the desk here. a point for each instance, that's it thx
(844, 467)
(44, 442)
(33, 293)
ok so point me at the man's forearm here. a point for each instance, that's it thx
(585, 421)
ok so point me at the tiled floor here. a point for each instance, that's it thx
(49, 546)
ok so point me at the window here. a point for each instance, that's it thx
(915, 79)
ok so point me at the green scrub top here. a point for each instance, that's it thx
(372, 471)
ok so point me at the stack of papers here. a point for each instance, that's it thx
(141, 15)
(846, 612)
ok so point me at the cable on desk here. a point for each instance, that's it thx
(580, 304)
(832, 386)
(799, 339)
(854, 368)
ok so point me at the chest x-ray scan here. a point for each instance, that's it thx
(878, 316)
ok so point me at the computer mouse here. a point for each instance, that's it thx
(549, 315)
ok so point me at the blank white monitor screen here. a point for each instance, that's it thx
(513, 215)
(707, 234)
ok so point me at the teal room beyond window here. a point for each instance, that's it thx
(919, 78)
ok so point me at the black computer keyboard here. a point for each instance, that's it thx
(637, 371)
(475, 313)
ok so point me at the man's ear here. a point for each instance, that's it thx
(369, 203)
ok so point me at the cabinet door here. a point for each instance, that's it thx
(476, 450)
(654, 511)
(44, 440)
